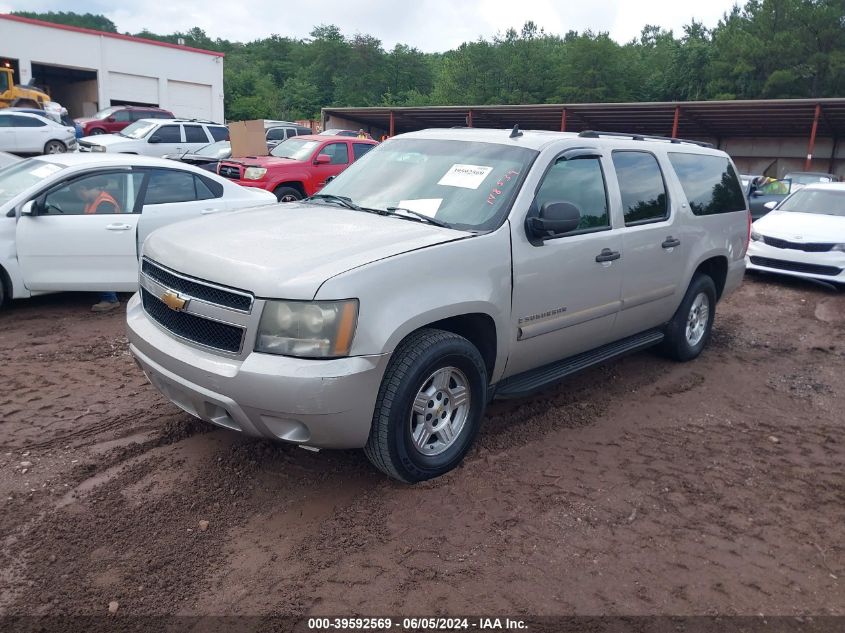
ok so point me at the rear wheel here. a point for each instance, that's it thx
(429, 406)
(96, 131)
(287, 194)
(55, 147)
(689, 330)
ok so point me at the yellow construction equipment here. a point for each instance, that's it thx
(19, 96)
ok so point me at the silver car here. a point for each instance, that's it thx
(442, 269)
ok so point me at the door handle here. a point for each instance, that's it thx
(207, 211)
(607, 255)
(671, 242)
(118, 227)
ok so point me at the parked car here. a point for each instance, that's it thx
(804, 236)
(51, 241)
(116, 118)
(278, 131)
(297, 167)
(25, 133)
(205, 157)
(443, 268)
(60, 117)
(802, 178)
(336, 132)
(158, 137)
(765, 193)
(8, 159)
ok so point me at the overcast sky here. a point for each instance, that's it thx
(430, 25)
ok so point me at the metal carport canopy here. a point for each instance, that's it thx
(686, 119)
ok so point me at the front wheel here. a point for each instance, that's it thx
(55, 147)
(689, 330)
(287, 194)
(97, 131)
(429, 406)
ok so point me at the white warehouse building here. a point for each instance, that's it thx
(87, 70)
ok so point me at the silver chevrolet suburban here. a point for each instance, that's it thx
(442, 269)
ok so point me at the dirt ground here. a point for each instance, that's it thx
(641, 487)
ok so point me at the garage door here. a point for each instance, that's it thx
(192, 101)
(133, 88)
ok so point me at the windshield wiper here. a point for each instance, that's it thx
(416, 214)
(341, 200)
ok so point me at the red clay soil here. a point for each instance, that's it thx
(643, 487)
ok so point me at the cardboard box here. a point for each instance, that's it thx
(248, 138)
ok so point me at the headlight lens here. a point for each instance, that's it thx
(307, 329)
(254, 173)
(98, 148)
(755, 236)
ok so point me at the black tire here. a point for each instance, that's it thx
(390, 446)
(676, 345)
(55, 147)
(96, 131)
(287, 194)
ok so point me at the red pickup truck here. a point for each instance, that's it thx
(297, 167)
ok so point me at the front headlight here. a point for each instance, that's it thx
(755, 236)
(98, 148)
(307, 329)
(254, 173)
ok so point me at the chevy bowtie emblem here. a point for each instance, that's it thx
(174, 301)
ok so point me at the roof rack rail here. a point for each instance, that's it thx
(642, 137)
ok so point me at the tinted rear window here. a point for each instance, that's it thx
(709, 182)
(641, 186)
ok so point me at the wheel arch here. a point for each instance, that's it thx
(716, 268)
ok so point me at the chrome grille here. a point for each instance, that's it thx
(230, 171)
(197, 329)
(197, 289)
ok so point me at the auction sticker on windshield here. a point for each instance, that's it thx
(466, 176)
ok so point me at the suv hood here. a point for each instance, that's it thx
(286, 251)
(109, 139)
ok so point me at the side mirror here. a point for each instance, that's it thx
(771, 205)
(323, 159)
(29, 208)
(110, 119)
(155, 139)
(555, 218)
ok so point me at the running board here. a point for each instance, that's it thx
(530, 381)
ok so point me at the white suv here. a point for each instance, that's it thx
(157, 137)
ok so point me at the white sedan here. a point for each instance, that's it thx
(25, 133)
(77, 221)
(803, 236)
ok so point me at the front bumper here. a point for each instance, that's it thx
(827, 266)
(316, 403)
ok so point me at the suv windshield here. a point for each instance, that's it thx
(104, 113)
(220, 149)
(821, 201)
(466, 184)
(139, 129)
(19, 177)
(297, 149)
